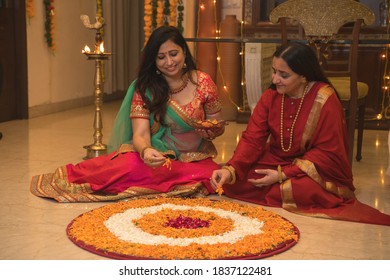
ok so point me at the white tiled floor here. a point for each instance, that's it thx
(33, 228)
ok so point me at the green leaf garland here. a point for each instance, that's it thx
(49, 23)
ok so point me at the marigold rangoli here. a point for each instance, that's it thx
(177, 228)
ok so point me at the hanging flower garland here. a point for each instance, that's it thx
(147, 19)
(154, 14)
(162, 12)
(172, 12)
(49, 23)
(30, 11)
(166, 12)
(180, 17)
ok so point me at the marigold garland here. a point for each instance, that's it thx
(154, 14)
(162, 12)
(30, 10)
(180, 17)
(49, 23)
(172, 12)
(147, 19)
(166, 12)
(90, 231)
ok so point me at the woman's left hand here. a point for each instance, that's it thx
(206, 134)
(270, 177)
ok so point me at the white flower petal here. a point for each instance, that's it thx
(121, 225)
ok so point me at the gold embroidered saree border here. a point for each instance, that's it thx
(314, 115)
(57, 187)
(286, 192)
(307, 166)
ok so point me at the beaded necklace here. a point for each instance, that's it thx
(179, 89)
(294, 121)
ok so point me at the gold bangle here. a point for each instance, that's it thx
(280, 174)
(143, 151)
(232, 173)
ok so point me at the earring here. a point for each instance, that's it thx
(184, 65)
(158, 72)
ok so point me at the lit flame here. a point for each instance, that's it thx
(86, 49)
(101, 47)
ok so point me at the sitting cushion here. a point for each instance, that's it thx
(342, 86)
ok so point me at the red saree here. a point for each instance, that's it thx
(319, 175)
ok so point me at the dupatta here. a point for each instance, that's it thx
(122, 130)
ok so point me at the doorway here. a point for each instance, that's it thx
(13, 61)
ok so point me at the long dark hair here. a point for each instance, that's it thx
(301, 59)
(147, 74)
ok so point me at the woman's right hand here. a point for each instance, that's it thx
(220, 177)
(153, 158)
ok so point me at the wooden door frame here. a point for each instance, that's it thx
(14, 53)
(20, 44)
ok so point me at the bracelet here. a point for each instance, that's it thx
(143, 151)
(280, 174)
(232, 173)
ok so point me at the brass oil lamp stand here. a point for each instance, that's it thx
(98, 55)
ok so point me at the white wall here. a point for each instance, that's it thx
(65, 76)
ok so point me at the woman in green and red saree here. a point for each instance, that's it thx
(160, 144)
(293, 153)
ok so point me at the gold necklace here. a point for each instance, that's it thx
(182, 86)
(294, 121)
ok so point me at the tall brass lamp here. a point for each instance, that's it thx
(98, 55)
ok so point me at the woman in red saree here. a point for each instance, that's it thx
(159, 144)
(293, 153)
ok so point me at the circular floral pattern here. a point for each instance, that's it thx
(122, 225)
(142, 228)
(152, 224)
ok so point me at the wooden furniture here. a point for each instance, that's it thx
(320, 22)
(373, 43)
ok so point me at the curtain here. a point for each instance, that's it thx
(124, 39)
